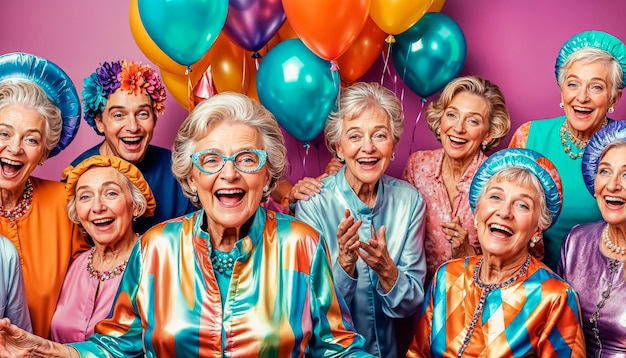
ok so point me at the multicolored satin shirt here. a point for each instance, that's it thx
(281, 301)
(538, 315)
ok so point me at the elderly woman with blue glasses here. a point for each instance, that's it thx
(231, 279)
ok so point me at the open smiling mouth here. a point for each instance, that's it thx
(132, 141)
(102, 222)
(10, 167)
(495, 228)
(230, 196)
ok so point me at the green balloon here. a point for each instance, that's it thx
(429, 54)
(298, 87)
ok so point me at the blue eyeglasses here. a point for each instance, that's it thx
(247, 161)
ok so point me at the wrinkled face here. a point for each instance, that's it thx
(508, 218)
(465, 125)
(586, 95)
(367, 145)
(127, 122)
(22, 145)
(610, 186)
(104, 205)
(229, 197)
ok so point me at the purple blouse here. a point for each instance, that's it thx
(78, 309)
(594, 276)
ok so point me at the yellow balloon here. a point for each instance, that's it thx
(178, 87)
(396, 16)
(436, 6)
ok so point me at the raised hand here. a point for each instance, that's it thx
(348, 242)
(375, 254)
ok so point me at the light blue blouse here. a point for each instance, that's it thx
(399, 206)
(12, 295)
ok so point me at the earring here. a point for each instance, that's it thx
(195, 198)
(610, 110)
(340, 158)
(393, 156)
(534, 241)
(484, 146)
(266, 189)
(561, 105)
(438, 131)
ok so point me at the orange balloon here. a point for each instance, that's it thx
(229, 66)
(286, 32)
(362, 54)
(178, 87)
(327, 27)
(156, 55)
(396, 16)
(436, 6)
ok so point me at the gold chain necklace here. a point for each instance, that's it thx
(571, 139)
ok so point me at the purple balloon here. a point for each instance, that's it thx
(252, 23)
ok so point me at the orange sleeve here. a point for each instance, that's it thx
(520, 137)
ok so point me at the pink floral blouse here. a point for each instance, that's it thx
(423, 170)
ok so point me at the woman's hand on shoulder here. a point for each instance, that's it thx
(458, 237)
(306, 188)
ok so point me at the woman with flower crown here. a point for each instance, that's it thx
(105, 194)
(39, 112)
(591, 72)
(121, 101)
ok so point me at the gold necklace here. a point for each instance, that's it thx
(571, 139)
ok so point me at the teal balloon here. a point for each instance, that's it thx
(183, 29)
(298, 87)
(430, 53)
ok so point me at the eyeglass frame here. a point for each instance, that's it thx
(260, 152)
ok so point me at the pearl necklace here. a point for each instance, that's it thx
(487, 289)
(103, 275)
(571, 138)
(23, 205)
(620, 250)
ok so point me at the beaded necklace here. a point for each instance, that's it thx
(570, 140)
(223, 262)
(487, 289)
(23, 205)
(613, 269)
(620, 250)
(103, 275)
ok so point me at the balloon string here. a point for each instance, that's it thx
(189, 88)
(243, 71)
(417, 119)
(306, 147)
(386, 63)
(334, 69)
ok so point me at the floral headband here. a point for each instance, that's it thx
(132, 77)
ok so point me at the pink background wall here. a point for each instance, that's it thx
(512, 43)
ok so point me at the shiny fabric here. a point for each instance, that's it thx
(281, 300)
(586, 269)
(598, 39)
(46, 241)
(12, 295)
(156, 168)
(423, 170)
(399, 207)
(578, 205)
(591, 158)
(79, 309)
(536, 316)
(529, 160)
